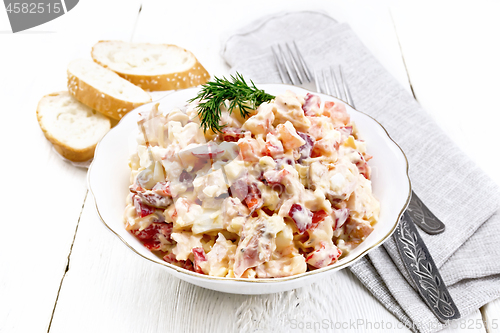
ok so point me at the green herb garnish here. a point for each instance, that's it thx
(239, 94)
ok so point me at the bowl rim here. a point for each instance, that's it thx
(257, 280)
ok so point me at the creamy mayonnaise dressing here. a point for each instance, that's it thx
(284, 191)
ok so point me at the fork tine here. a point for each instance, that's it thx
(287, 67)
(316, 82)
(278, 64)
(346, 89)
(335, 84)
(294, 63)
(327, 87)
(303, 63)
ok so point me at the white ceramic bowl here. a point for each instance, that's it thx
(109, 175)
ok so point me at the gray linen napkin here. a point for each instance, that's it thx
(450, 184)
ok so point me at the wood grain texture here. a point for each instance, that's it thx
(107, 288)
(43, 195)
(122, 292)
(205, 34)
(491, 316)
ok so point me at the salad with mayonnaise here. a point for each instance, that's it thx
(284, 190)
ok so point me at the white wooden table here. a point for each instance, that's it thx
(62, 271)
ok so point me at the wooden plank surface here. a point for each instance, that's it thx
(107, 288)
(454, 69)
(122, 292)
(45, 194)
(161, 303)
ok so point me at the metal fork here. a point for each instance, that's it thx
(414, 253)
(325, 81)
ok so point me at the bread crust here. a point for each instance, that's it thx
(68, 152)
(194, 76)
(98, 100)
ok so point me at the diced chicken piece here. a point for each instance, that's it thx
(362, 203)
(186, 212)
(320, 127)
(262, 122)
(220, 255)
(250, 150)
(209, 220)
(321, 229)
(283, 266)
(319, 177)
(235, 170)
(232, 208)
(211, 185)
(343, 180)
(273, 147)
(327, 254)
(327, 146)
(356, 231)
(337, 112)
(258, 242)
(183, 136)
(186, 242)
(289, 137)
(289, 108)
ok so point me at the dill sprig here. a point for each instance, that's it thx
(239, 94)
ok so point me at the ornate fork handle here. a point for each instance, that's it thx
(423, 270)
(423, 217)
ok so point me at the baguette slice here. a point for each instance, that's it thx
(152, 67)
(72, 127)
(103, 90)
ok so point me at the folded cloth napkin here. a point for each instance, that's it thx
(446, 180)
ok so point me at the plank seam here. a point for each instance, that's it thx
(68, 262)
(135, 23)
(402, 55)
(486, 323)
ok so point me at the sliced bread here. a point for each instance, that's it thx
(103, 90)
(72, 127)
(152, 67)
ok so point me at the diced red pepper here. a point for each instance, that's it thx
(363, 168)
(301, 216)
(310, 102)
(340, 217)
(150, 235)
(136, 188)
(306, 149)
(232, 134)
(345, 131)
(163, 189)
(142, 209)
(253, 199)
(186, 264)
(199, 256)
(317, 217)
(275, 177)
